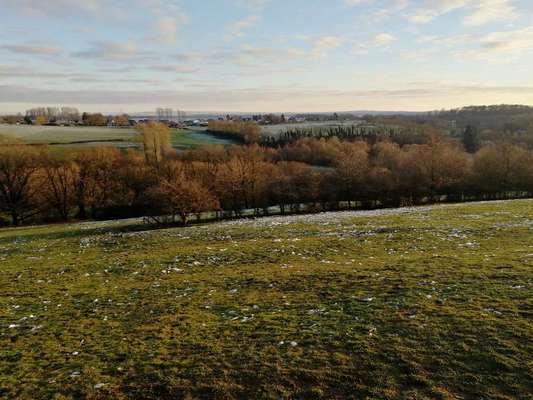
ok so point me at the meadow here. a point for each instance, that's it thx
(429, 302)
(34, 134)
(96, 136)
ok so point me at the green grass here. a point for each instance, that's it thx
(62, 134)
(191, 139)
(76, 136)
(427, 303)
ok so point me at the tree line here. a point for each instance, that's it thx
(41, 116)
(42, 184)
(242, 131)
(505, 122)
(368, 133)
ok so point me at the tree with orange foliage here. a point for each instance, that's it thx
(41, 120)
(94, 119)
(247, 132)
(180, 196)
(242, 179)
(135, 177)
(122, 120)
(58, 177)
(18, 188)
(444, 164)
(97, 184)
(501, 168)
(352, 167)
(293, 183)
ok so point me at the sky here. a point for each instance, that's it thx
(265, 55)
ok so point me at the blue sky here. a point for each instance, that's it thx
(265, 55)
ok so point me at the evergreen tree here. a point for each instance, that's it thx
(471, 139)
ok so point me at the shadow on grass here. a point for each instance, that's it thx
(72, 231)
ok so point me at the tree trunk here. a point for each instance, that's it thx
(82, 212)
(15, 218)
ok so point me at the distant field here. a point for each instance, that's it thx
(120, 137)
(190, 139)
(417, 303)
(59, 134)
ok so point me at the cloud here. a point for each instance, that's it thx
(54, 8)
(16, 71)
(435, 8)
(420, 54)
(379, 40)
(447, 41)
(166, 29)
(480, 12)
(180, 69)
(502, 46)
(353, 3)
(255, 5)
(29, 49)
(322, 45)
(487, 11)
(251, 56)
(383, 39)
(389, 10)
(237, 29)
(110, 51)
(264, 98)
(169, 18)
(436, 45)
(510, 41)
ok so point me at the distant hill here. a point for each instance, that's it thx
(512, 118)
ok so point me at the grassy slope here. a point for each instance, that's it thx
(431, 303)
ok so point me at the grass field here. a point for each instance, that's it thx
(96, 136)
(423, 303)
(63, 134)
(191, 139)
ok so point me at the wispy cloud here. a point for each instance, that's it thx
(179, 69)
(353, 3)
(169, 19)
(54, 8)
(487, 11)
(113, 45)
(432, 9)
(32, 49)
(388, 10)
(166, 30)
(479, 12)
(108, 50)
(237, 29)
(323, 45)
(380, 40)
(504, 46)
(255, 5)
(421, 97)
(252, 56)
